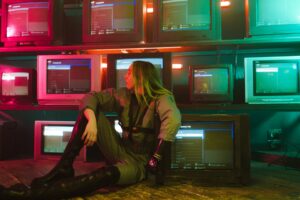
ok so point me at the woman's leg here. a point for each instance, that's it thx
(64, 167)
(128, 168)
(65, 188)
(130, 165)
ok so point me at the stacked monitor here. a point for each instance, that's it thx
(211, 83)
(212, 147)
(31, 22)
(41, 22)
(188, 20)
(280, 18)
(65, 79)
(17, 85)
(272, 80)
(58, 80)
(51, 139)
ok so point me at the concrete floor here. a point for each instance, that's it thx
(268, 182)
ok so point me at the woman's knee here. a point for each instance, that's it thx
(130, 174)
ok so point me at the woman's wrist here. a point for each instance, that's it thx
(90, 115)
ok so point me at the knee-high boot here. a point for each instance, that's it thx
(64, 167)
(66, 188)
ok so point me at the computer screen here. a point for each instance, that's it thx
(186, 20)
(36, 14)
(286, 12)
(272, 80)
(108, 21)
(186, 15)
(281, 17)
(65, 79)
(279, 77)
(17, 85)
(68, 76)
(56, 138)
(210, 148)
(109, 17)
(32, 22)
(202, 145)
(211, 83)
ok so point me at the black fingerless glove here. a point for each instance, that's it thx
(154, 162)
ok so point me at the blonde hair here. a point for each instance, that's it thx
(147, 79)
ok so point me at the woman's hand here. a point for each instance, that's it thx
(90, 133)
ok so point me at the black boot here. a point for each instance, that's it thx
(64, 168)
(17, 191)
(1, 188)
(66, 188)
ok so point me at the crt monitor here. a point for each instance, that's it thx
(31, 22)
(188, 20)
(211, 83)
(65, 79)
(211, 147)
(51, 139)
(108, 21)
(119, 63)
(279, 18)
(272, 80)
(17, 85)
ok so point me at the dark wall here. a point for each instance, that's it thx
(233, 20)
(233, 27)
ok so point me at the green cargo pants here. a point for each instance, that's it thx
(130, 164)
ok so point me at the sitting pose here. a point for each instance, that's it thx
(138, 105)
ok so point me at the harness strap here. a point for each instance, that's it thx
(134, 123)
(138, 129)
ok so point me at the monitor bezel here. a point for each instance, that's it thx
(240, 173)
(250, 96)
(214, 33)
(30, 98)
(212, 98)
(43, 137)
(38, 141)
(65, 99)
(252, 30)
(274, 61)
(55, 34)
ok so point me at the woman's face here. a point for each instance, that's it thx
(130, 83)
(129, 79)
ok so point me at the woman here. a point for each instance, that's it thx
(127, 156)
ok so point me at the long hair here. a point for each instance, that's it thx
(147, 79)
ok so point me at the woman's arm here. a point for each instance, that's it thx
(170, 118)
(90, 133)
(108, 100)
